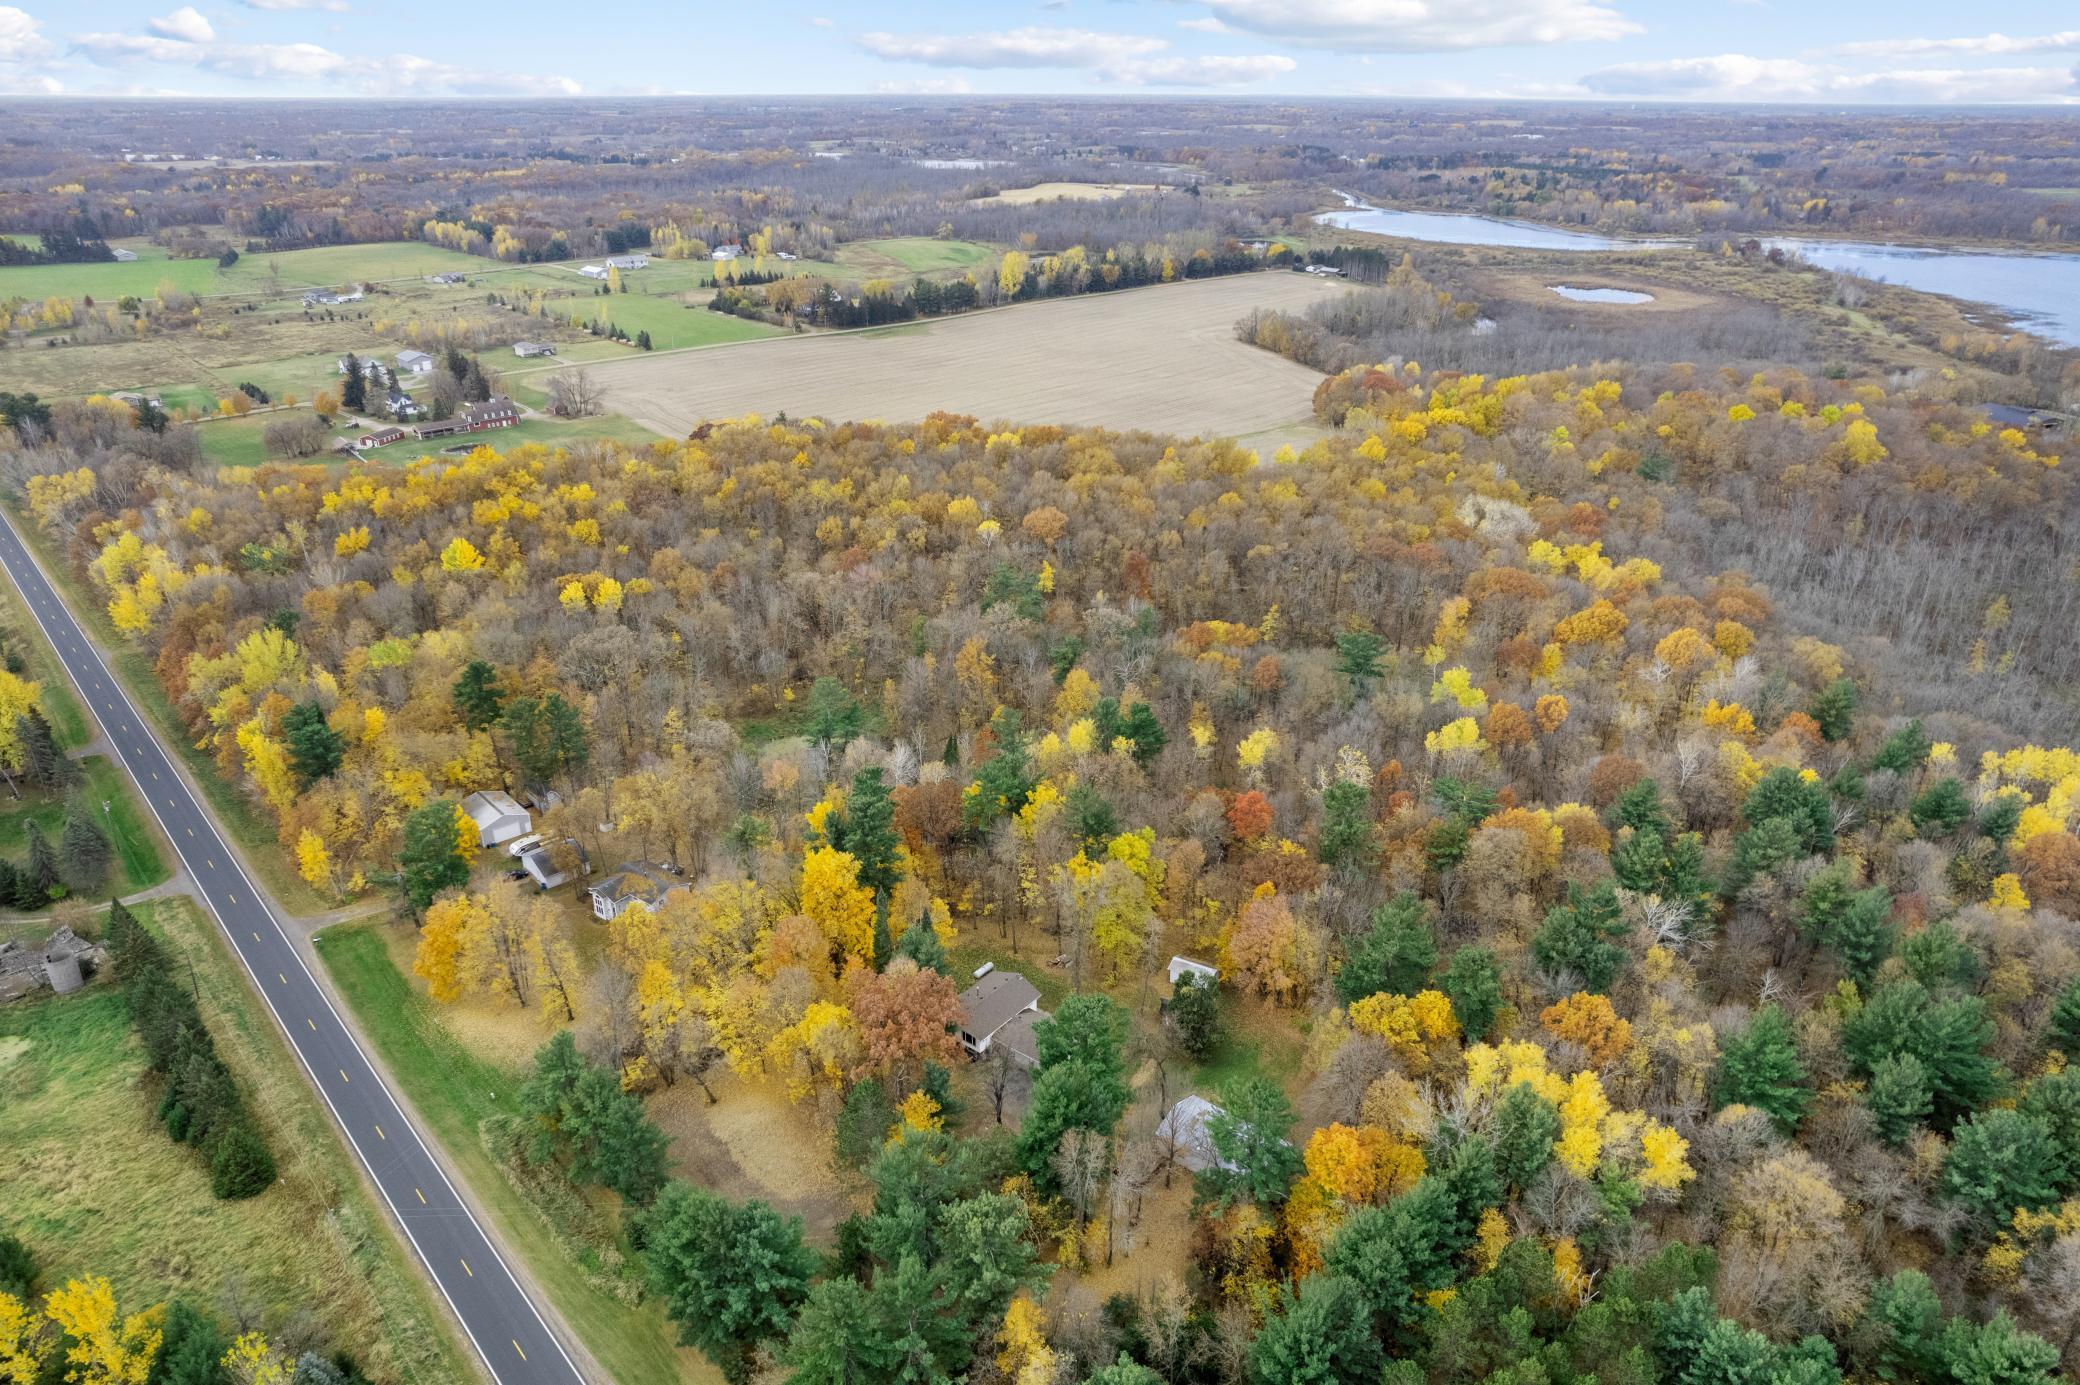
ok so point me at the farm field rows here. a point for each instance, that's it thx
(259, 273)
(1163, 359)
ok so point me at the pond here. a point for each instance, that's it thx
(1569, 291)
(2041, 291)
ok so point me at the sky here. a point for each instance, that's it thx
(1834, 52)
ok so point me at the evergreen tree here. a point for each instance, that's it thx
(1783, 795)
(1995, 1353)
(1834, 709)
(39, 878)
(1900, 1097)
(2065, 1021)
(1940, 809)
(43, 762)
(478, 697)
(1090, 816)
(1348, 840)
(835, 716)
(2054, 1099)
(730, 1275)
(240, 1166)
(1639, 807)
(1194, 1014)
(546, 736)
(354, 393)
(866, 831)
(838, 1338)
(1578, 938)
(1357, 659)
(1904, 751)
(1526, 1125)
(1319, 1337)
(2001, 1160)
(1861, 937)
(1760, 1067)
(192, 1350)
(1254, 1161)
(1898, 1338)
(315, 749)
(1473, 983)
(430, 861)
(18, 1274)
(1949, 1036)
(83, 849)
(1395, 955)
(920, 943)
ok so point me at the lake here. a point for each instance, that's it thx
(2042, 292)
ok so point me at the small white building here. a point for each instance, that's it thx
(725, 252)
(542, 869)
(1181, 967)
(533, 348)
(593, 271)
(123, 256)
(497, 816)
(414, 362)
(1185, 1131)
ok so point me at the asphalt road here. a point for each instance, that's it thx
(501, 1320)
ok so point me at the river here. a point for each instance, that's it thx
(2042, 292)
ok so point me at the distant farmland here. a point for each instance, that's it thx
(1164, 359)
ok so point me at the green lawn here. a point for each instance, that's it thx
(455, 1091)
(94, 1186)
(920, 254)
(670, 320)
(136, 866)
(133, 664)
(261, 274)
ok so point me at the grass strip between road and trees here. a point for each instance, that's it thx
(455, 1092)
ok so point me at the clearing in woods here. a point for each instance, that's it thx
(1075, 192)
(1162, 358)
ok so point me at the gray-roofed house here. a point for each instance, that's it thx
(991, 1004)
(533, 348)
(414, 362)
(630, 883)
(497, 816)
(1019, 1039)
(1185, 1130)
(541, 868)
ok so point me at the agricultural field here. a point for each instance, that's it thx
(915, 255)
(95, 1186)
(1074, 192)
(253, 275)
(1162, 358)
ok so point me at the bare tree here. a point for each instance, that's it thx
(574, 393)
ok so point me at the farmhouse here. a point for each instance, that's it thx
(379, 437)
(533, 348)
(594, 271)
(725, 252)
(628, 261)
(402, 405)
(450, 276)
(414, 362)
(497, 816)
(990, 1005)
(629, 884)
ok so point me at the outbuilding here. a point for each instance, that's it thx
(497, 816)
(1184, 1130)
(1182, 967)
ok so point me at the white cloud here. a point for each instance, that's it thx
(1032, 46)
(1205, 24)
(336, 6)
(927, 86)
(185, 24)
(1988, 45)
(1198, 72)
(1739, 77)
(19, 40)
(397, 74)
(1423, 26)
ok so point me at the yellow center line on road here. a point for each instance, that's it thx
(466, 1269)
(312, 1023)
(379, 1133)
(281, 978)
(343, 1076)
(422, 1197)
(516, 1347)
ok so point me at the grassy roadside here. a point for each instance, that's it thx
(232, 808)
(455, 1091)
(136, 863)
(94, 1185)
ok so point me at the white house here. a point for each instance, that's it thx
(628, 261)
(414, 362)
(593, 271)
(1184, 1130)
(630, 883)
(725, 252)
(1185, 966)
(541, 869)
(497, 816)
(990, 1005)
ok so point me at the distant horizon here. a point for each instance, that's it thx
(2015, 53)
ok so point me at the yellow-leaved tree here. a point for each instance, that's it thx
(106, 1347)
(833, 897)
(18, 698)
